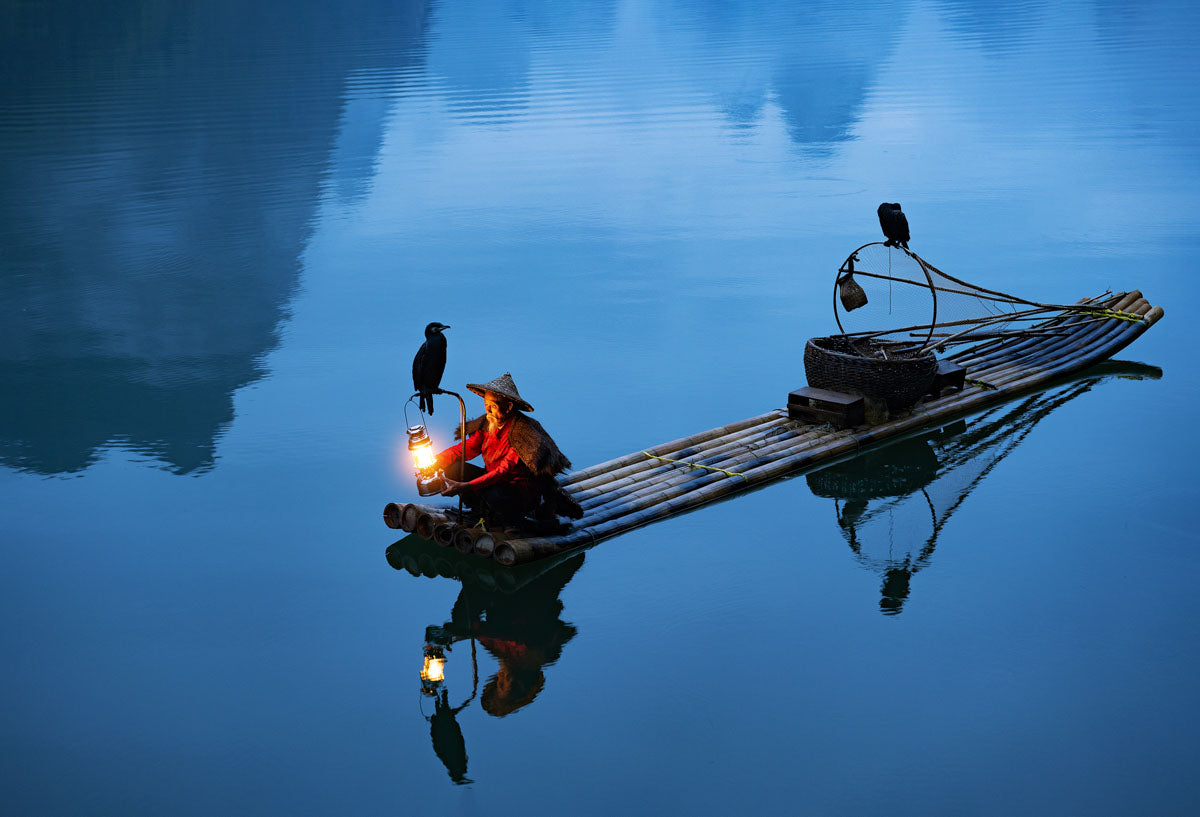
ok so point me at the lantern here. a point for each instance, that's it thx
(429, 480)
(433, 670)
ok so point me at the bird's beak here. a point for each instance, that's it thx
(444, 327)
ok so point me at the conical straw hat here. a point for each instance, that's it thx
(503, 386)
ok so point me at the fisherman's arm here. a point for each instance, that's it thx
(454, 452)
(501, 471)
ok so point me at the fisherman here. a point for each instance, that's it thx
(520, 461)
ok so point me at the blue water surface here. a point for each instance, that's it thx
(223, 227)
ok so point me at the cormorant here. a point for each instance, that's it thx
(429, 364)
(894, 224)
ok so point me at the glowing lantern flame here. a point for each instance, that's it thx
(433, 671)
(421, 447)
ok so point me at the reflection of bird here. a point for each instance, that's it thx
(894, 224)
(447, 736)
(429, 364)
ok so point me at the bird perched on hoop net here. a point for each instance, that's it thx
(429, 364)
(894, 224)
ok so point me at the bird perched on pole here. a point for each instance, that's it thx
(894, 224)
(429, 364)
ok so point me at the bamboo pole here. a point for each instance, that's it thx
(976, 291)
(646, 502)
(604, 472)
(653, 467)
(425, 525)
(1031, 357)
(1001, 373)
(1009, 351)
(1020, 315)
(1061, 321)
(443, 533)
(1083, 356)
(1103, 347)
(732, 462)
(710, 458)
(986, 350)
(728, 462)
(392, 513)
(664, 448)
(1028, 351)
(485, 544)
(633, 473)
(464, 541)
(1082, 334)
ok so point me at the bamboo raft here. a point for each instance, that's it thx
(646, 486)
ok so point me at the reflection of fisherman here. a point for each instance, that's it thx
(520, 461)
(522, 630)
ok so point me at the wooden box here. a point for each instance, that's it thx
(814, 405)
(949, 374)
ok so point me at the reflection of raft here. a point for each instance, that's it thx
(421, 557)
(646, 486)
(900, 468)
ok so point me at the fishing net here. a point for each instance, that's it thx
(891, 300)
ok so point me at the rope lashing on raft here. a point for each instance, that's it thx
(696, 465)
(1122, 316)
(983, 384)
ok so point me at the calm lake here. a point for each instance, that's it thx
(224, 226)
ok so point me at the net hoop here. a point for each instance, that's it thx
(847, 267)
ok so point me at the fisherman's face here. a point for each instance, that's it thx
(497, 410)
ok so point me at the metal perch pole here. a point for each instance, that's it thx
(462, 432)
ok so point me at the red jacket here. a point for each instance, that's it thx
(500, 461)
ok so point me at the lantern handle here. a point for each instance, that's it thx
(407, 424)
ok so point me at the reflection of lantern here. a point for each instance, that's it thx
(429, 481)
(433, 671)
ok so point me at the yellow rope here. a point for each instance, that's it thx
(1123, 316)
(981, 383)
(696, 465)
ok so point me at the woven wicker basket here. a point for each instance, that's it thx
(831, 363)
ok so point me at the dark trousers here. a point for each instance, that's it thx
(502, 502)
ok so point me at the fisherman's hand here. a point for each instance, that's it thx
(453, 486)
